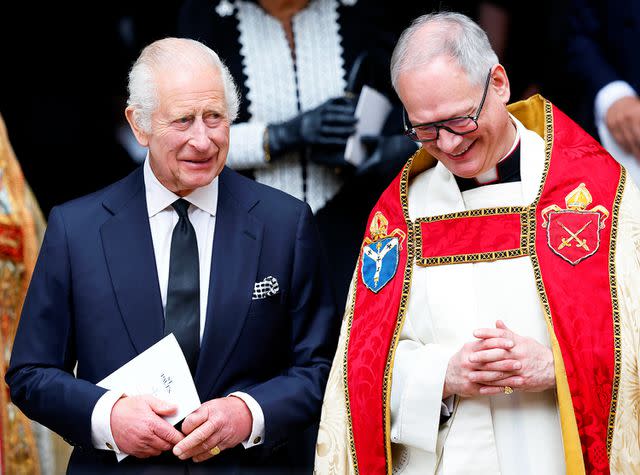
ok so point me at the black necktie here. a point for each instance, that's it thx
(182, 315)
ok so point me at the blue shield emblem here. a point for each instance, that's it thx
(379, 263)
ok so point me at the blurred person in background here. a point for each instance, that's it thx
(21, 229)
(603, 63)
(300, 65)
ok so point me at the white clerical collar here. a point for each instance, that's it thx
(159, 198)
(491, 175)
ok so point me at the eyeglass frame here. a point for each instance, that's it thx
(438, 124)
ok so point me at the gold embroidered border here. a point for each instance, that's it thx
(617, 337)
(473, 213)
(402, 311)
(474, 257)
(386, 384)
(345, 380)
(574, 464)
(532, 231)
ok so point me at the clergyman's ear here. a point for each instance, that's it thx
(500, 82)
(141, 136)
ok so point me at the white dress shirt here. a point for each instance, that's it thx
(162, 220)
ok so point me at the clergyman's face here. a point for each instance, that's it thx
(189, 138)
(441, 90)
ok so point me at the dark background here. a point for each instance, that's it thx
(64, 94)
(64, 69)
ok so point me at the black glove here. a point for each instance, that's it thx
(386, 154)
(328, 125)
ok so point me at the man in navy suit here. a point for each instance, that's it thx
(603, 59)
(267, 323)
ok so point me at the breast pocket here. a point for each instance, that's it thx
(268, 306)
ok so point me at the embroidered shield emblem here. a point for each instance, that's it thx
(574, 233)
(380, 253)
(379, 263)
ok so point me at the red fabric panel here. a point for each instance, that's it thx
(11, 242)
(374, 322)
(472, 235)
(579, 296)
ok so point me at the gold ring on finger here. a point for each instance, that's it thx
(508, 390)
(215, 451)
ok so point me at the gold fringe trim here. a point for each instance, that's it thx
(402, 311)
(617, 337)
(345, 380)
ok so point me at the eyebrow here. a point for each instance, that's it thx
(469, 112)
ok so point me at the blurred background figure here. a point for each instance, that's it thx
(603, 60)
(300, 66)
(21, 230)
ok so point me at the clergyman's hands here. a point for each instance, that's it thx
(535, 370)
(623, 121)
(138, 427)
(497, 359)
(223, 423)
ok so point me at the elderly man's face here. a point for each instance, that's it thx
(440, 90)
(189, 140)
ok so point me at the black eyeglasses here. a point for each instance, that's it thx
(430, 131)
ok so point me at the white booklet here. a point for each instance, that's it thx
(162, 371)
(371, 111)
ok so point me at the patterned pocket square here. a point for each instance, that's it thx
(266, 288)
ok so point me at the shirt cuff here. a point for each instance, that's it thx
(101, 435)
(608, 95)
(246, 150)
(257, 427)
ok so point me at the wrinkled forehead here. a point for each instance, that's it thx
(203, 80)
(437, 91)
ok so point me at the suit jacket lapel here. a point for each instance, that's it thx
(236, 251)
(128, 248)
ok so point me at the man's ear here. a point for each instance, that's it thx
(141, 136)
(500, 83)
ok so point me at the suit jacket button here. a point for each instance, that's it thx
(257, 440)
(109, 446)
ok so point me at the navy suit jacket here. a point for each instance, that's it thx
(602, 44)
(94, 300)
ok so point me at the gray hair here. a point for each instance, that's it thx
(173, 52)
(449, 34)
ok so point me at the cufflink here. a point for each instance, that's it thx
(257, 440)
(109, 446)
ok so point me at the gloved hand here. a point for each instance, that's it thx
(386, 154)
(328, 125)
(332, 157)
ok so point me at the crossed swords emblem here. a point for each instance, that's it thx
(577, 203)
(566, 242)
